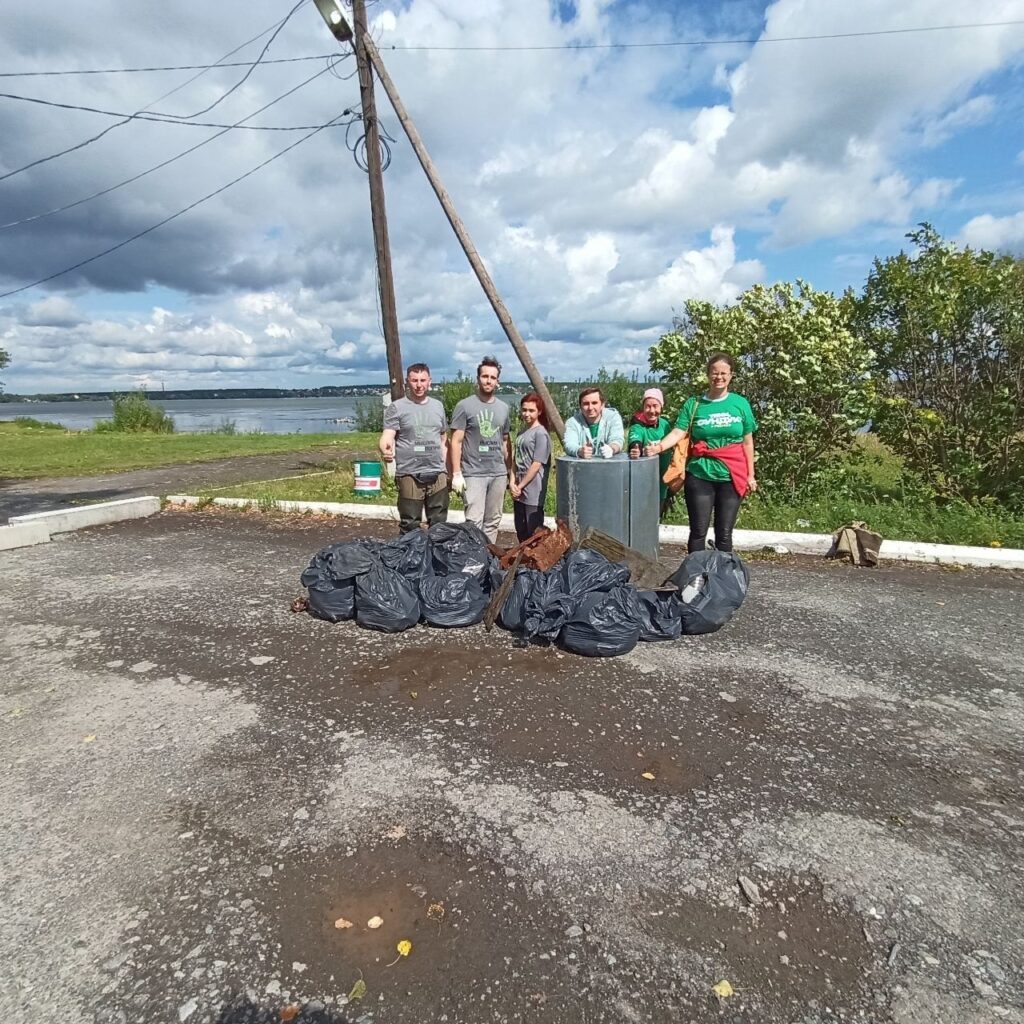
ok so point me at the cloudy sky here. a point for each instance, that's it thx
(603, 185)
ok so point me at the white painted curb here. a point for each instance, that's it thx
(23, 535)
(743, 540)
(62, 520)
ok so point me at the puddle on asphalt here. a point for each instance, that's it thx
(794, 948)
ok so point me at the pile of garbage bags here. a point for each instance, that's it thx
(446, 576)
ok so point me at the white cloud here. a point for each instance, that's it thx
(1005, 234)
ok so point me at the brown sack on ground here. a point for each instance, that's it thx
(857, 543)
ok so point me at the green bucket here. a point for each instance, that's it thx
(367, 479)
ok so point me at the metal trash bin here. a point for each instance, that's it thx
(619, 496)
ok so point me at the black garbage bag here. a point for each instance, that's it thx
(352, 558)
(331, 591)
(408, 555)
(513, 612)
(459, 548)
(547, 607)
(386, 601)
(585, 571)
(456, 600)
(661, 615)
(712, 585)
(604, 624)
(335, 602)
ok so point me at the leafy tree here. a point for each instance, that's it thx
(4, 361)
(806, 374)
(947, 325)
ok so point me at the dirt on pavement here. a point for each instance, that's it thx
(199, 786)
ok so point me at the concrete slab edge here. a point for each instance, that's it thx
(743, 540)
(23, 535)
(63, 520)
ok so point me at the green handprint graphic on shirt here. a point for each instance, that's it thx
(485, 423)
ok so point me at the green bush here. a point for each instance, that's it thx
(31, 423)
(947, 328)
(806, 375)
(136, 414)
(369, 416)
(227, 426)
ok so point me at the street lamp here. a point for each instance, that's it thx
(331, 11)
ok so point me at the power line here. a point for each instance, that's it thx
(173, 216)
(126, 120)
(252, 67)
(165, 163)
(716, 42)
(173, 67)
(157, 118)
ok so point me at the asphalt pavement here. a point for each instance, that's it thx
(814, 815)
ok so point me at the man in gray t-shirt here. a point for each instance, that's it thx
(481, 453)
(415, 439)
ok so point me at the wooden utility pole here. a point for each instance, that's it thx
(378, 211)
(365, 44)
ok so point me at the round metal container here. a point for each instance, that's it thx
(619, 496)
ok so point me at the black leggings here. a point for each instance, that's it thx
(527, 519)
(703, 496)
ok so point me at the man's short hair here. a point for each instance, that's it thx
(591, 391)
(489, 361)
(418, 368)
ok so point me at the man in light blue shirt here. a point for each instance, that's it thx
(594, 430)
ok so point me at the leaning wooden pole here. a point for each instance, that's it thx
(500, 309)
(378, 211)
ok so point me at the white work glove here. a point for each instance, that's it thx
(458, 483)
(606, 451)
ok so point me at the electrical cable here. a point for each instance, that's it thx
(110, 128)
(173, 216)
(156, 118)
(252, 67)
(174, 67)
(164, 163)
(718, 42)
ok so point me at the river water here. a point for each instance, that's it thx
(268, 415)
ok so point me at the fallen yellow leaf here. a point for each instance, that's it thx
(89, 739)
(404, 949)
(648, 775)
(343, 922)
(413, 694)
(358, 990)
(375, 922)
(723, 989)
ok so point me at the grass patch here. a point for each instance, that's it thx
(31, 452)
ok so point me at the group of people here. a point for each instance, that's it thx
(708, 452)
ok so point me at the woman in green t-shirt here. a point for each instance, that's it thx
(720, 427)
